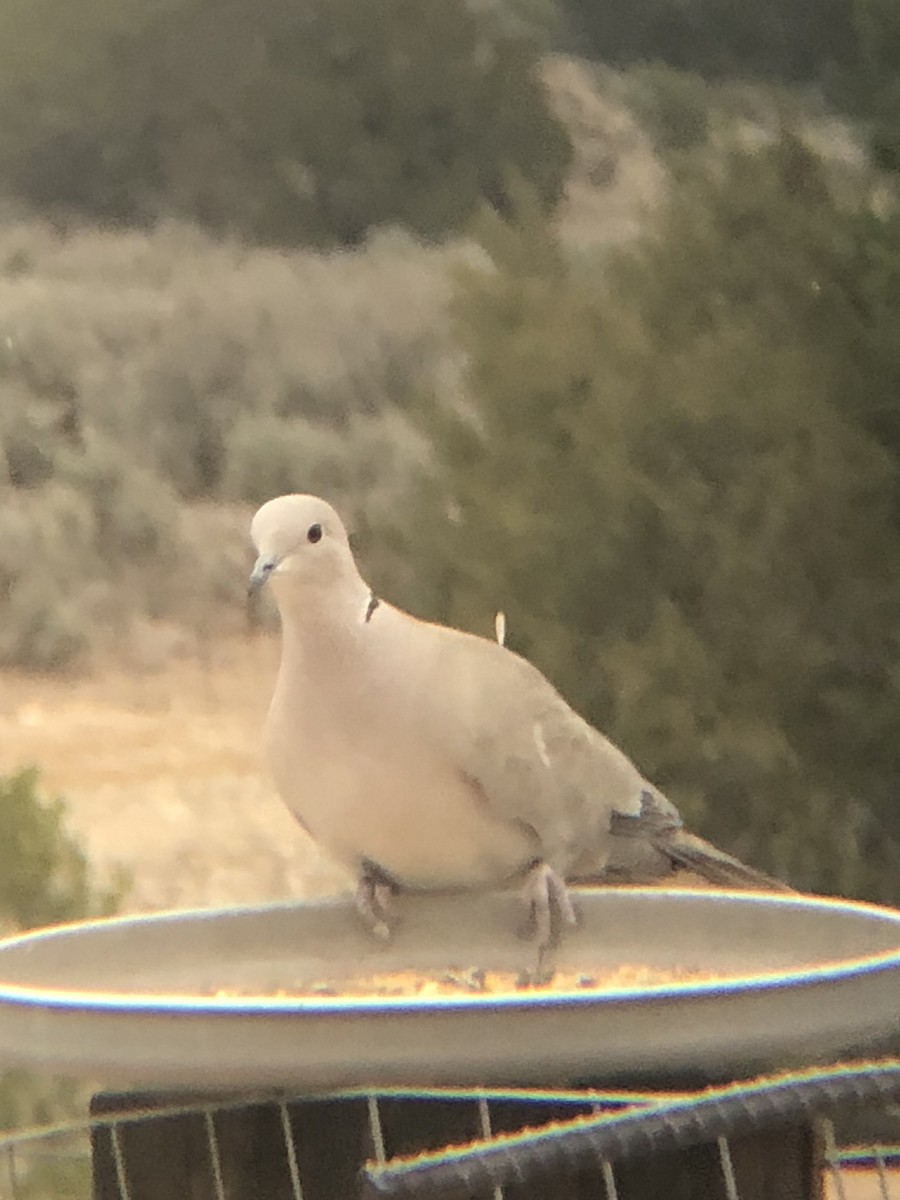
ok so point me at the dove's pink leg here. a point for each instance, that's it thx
(545, 891)
(373, 903)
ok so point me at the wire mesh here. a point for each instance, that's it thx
(291, 1151)
(569, 1148)
(511, 1147)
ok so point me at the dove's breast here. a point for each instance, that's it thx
(365, 787)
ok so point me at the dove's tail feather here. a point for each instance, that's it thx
(692, 853)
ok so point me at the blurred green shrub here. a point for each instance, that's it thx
(287, 124)
(849, 50)
(781, 39)
(46, 557)
(45, 877)
(148, 377)
(543, 20)
(672, 106)
(68, 545)
(670, 476)
(133, 511)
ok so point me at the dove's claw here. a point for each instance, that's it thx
(547, 898)
(373, 903)
(560, 896)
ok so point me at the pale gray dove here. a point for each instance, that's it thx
(425, 758)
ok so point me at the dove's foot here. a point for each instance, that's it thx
(373, 903)
(549, 904)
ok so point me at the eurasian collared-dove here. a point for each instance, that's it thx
(426, 758)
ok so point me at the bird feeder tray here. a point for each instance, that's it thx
(211, 999)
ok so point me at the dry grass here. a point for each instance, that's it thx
(163, 774)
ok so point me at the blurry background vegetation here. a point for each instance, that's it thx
(402, 255)
(587, 311)
(44, 879)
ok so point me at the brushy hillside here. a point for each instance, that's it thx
(283, 124)
(150, 378)
(144, 375)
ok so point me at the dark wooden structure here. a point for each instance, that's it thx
(172, 1156)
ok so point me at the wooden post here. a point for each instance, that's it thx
(167, 1157)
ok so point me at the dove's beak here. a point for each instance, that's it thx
(262, 569)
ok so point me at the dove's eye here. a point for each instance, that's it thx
(314, 534)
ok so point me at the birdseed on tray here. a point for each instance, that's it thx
(473, 980)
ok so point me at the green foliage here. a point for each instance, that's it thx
(143, 371)
(672, 106)
(44, 875)
(45, 550)
(865, 293)
(773, 244)
(542, 20)
(783, 39)
(269, 455)
(866, 82)
(848, 48)
(45, 879)
(66, 541)
(287, 124)
(132, 511)
(660, 480)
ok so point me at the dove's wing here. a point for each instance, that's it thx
(534, 760)
(537, 763)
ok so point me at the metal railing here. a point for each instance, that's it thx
(604, 1131)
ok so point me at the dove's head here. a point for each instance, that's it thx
(301, 542)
